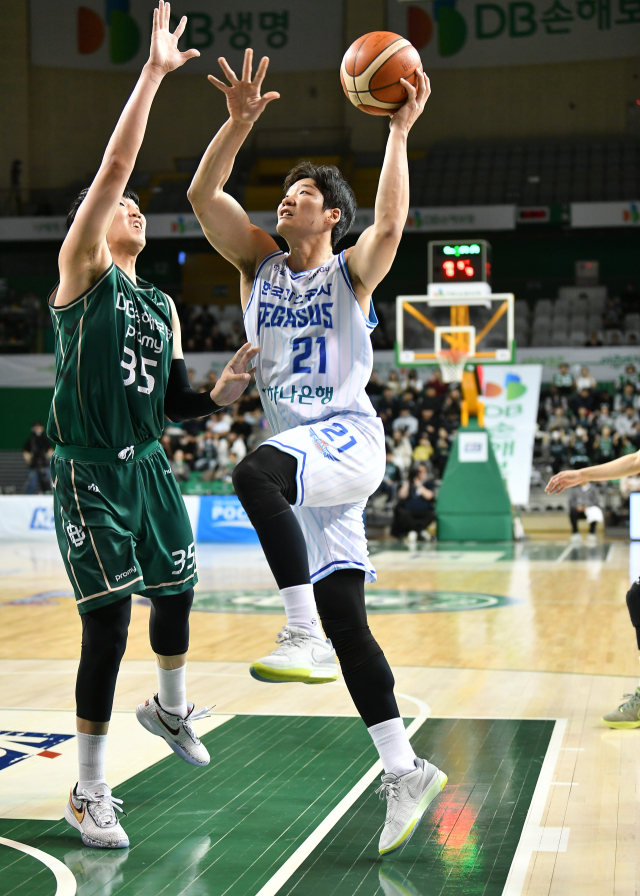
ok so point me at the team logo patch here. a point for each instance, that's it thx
(76, 534)
(126, 453)
(321, 445)
(93, 487)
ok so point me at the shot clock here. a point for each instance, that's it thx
(459, 261)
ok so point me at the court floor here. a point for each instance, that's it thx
(505, 658)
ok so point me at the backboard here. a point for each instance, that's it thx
(479, 327)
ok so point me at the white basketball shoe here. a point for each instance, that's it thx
(298, 657)
(94, 815)
(177, 731)
(408, 797)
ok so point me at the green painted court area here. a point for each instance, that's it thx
(227, 829)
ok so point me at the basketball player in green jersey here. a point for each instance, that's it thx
(121, 523)
(627, 715)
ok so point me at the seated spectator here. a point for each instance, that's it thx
(557, 450)
(585, 380)
(37, 451)
(390, 481)
(179, 466)
(375, 388)
(424, 449)
(435, 380)
(630, 375)
(554, 400)
(412, 381)
(628, 398)
(584, 503)
(603, 447)
(558, 421)
(593, 340)
(221, 422)
(432, 400)
(388, 402)
(209, 381)
(236, 446)
(563, 380)
(625, 422)
(585, 399)
(603, 417)
(406, 422)
(206, 455)
(402, 450)
(583, 418)
(218, 341)
(394, 383)
(414, 511)
(442, 449)
(624, 444)
(428, 423)
(579, 443)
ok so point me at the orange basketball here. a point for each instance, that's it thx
(371, 70)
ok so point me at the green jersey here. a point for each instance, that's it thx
(113, 355)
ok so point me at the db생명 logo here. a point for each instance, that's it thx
(451, 27)
(124, 34)
(514, 386)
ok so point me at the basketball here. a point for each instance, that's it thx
(371, 70)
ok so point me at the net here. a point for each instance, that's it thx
(452, 362)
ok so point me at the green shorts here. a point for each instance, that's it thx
(122, 526)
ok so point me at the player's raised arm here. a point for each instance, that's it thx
(628, 465)
(225, 223)
(85, 254)
(371, 258)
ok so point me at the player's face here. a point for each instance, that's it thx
(301, 211)
(127, 230)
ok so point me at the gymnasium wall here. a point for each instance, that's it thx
(59, 120)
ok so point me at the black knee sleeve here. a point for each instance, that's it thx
(367, 674)
(169, 623)
(104, 640)
(265, 483)
(633, 603)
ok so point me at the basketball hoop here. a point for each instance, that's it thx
(452, 363)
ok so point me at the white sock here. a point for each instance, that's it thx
(91, 754)
(392, 743)
(300, 607)
(172, 690)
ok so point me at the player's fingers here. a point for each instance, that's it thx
(272, 95)
(262, 71)
(181, 26)
(226, 68)
(167, 15)
(155, 20)
(408, 86)
(247, 65)
(189, 54)
(219, 84)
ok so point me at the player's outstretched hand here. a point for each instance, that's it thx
(407, 114)
(243, 96)
(566, 479)
(164, 53)
(235, 377)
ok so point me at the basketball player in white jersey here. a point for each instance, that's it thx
(305, 489)
(627, 715)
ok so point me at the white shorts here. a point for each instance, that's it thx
(341, 461)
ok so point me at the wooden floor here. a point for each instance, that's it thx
(553, 643)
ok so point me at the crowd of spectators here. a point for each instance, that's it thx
(580, 425)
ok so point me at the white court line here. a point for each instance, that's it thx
(534, 837)
(66, 882)
(282, 875)
(565, 553)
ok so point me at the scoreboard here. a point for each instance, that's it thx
(464, 261)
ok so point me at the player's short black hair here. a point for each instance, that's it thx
(127, 193)
(336, 192)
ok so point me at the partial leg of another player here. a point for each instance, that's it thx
(266, 485)
(92, 809)
(409, 784)
(627, 715)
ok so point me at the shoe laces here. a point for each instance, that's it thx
(633, 701)
(104, 807)
(389, 789)
(195, 716)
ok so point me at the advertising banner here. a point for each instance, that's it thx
(605, 214)
(27, 518)
(114, 35)
(511, 409)
(222, 519)
(473, 34)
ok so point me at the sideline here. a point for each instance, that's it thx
(66, 882)
(282, 875)
(535, 837)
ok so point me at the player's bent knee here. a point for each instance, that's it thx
(169, 623)
(265, 483)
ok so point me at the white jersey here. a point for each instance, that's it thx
(316, 356)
